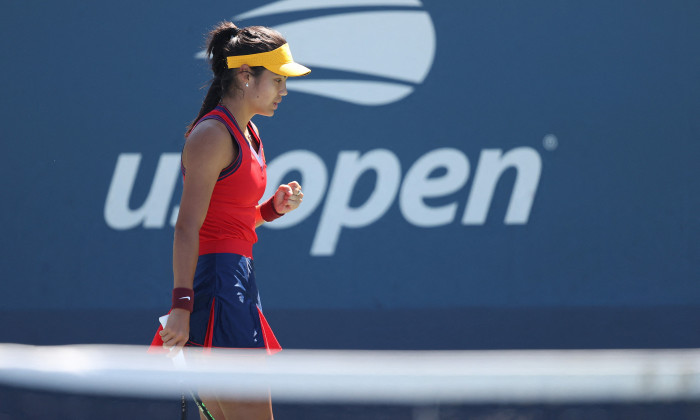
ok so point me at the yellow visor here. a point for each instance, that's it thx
(277, 61)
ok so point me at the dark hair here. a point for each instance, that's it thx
(225, 40)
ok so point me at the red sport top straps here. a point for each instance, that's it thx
(229, 226)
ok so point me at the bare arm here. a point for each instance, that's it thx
(207, 151)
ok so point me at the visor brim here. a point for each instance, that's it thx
(289, 69)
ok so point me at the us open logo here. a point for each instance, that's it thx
(366, 52)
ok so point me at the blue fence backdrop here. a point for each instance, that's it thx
(477, 174)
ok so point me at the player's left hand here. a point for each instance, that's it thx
(288, 197)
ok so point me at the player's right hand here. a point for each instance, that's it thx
(177, 330)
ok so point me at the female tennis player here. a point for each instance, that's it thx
(215, 297)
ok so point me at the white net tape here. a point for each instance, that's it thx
(405, 377)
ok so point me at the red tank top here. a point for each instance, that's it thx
(229, 226)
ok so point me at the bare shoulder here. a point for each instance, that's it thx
(209, 143)
(208, 133)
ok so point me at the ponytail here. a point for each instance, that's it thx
(219, 39)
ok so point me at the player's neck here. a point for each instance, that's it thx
(239, 111)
